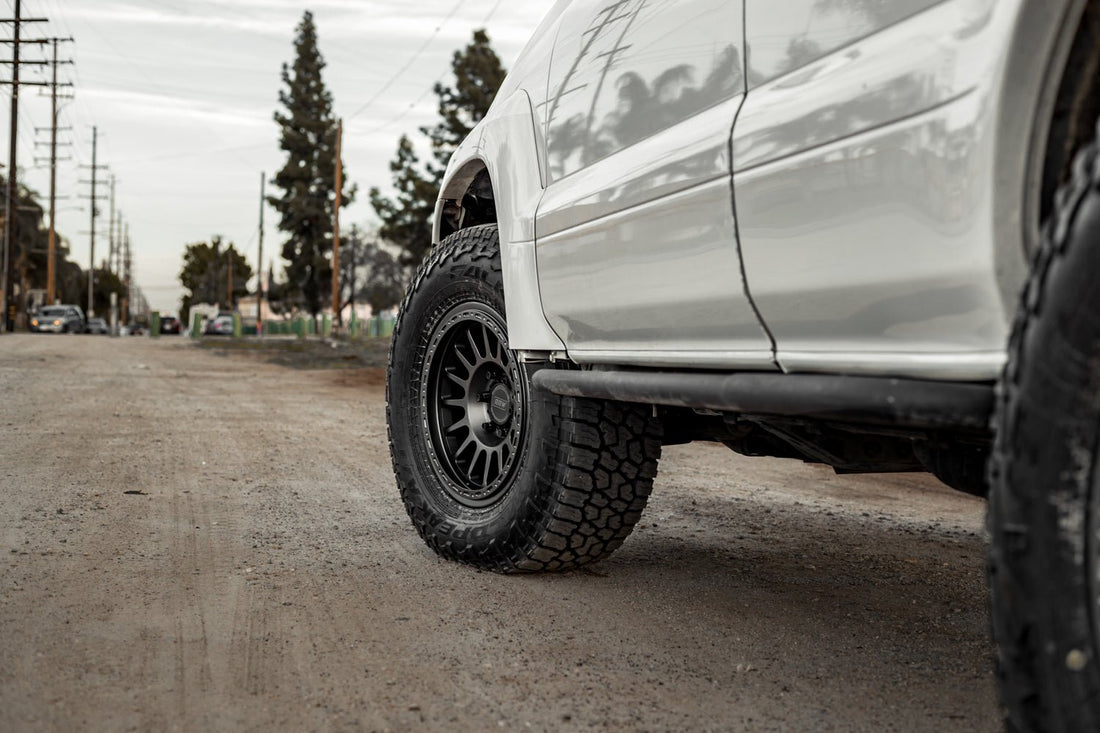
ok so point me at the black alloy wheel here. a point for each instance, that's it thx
(475, 402)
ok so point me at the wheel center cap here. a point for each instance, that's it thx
(500, 404)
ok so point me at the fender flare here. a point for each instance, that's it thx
(506, 144)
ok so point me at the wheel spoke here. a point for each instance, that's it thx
(470, 440)
(499, 457)
(488, 349)
(478, 355)
(466, 363)
(458, 425)
(459, 402)
(486, 469)
(471, 469)
(461, 382)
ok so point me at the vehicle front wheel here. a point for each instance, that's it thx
(1044, 512)
(492, 472)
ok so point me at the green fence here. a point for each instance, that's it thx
(304, 326)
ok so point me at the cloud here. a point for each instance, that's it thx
(128, 103)
(183, 93)
(366, 22)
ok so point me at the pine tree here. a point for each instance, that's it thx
(308, 135)
(478, 75)
(407, 221)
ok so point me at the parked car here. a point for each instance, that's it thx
(220, 326)
(58, 319)
(169, 325)
(861, 234)
(97, 325)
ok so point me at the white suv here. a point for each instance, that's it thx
(864, 233)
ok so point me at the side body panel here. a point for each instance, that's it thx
(865, 190)
(806, 239)
(636, 242)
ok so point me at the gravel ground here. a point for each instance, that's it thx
(203, 543)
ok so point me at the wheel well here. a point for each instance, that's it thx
(1076, 108)
(472, 205)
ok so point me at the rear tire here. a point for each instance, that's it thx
(1044, 512)
(492, 472)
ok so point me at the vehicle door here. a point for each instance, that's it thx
(862, 183)
(635, 235)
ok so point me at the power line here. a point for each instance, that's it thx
(419, 52)
(194, 153)
(439, 79)
(492, 12)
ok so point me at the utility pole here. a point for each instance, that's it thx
(126, 275)
(118, 245)
(229, 258)
(260, 264)
(217, 244)
(8, 302)
(354, 264)
(51, 262)
(111, 228)
(116, 260)
(94, 209)
(336, 229)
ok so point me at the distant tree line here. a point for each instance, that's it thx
(30, 255)
(213, 273)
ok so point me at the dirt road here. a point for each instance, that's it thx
(197, 542)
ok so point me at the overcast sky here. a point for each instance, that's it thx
(183, 92)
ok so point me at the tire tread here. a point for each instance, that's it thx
(1030, 667)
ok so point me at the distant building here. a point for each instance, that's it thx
(246, 306)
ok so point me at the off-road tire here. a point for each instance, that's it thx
(1044, 512)
(579, 472)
